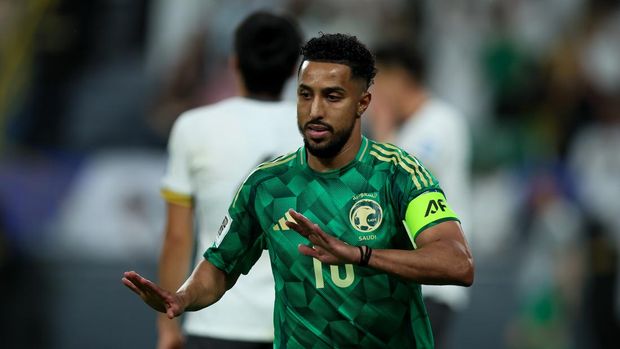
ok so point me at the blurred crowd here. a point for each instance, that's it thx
(90, 89)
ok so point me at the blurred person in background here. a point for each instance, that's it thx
(202, 177)
(550, 275)
(407, 114)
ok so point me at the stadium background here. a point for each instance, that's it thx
(89, 90)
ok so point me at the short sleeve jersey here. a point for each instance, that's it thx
(362, 203)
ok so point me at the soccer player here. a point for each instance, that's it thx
(353, 227)
(211, 150)
(407, 114)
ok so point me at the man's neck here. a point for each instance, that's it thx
(263, 97)
(345, 155)
(259, 96)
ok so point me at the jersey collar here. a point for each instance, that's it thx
(303, 160)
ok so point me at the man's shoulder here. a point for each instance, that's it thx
(230, 113)
(381, 152)
(442, 113)
(402, 165)
(234, 109)
(203, 112)
(197, 117)
(272, 168)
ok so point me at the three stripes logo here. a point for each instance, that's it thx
(281, 225)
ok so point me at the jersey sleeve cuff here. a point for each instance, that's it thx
(215, 260)
(172, 197)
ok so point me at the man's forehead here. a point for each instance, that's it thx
(318, 72)
(330, 69)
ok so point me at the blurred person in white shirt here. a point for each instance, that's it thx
(406, 113)
(211, 149)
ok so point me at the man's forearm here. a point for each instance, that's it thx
(205, 286)
(443, 263)
(175, 257)
(174, 265)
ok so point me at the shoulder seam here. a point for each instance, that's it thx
(281, 160)
(389, 153)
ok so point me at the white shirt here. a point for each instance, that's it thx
(438, 135)
(211, 151)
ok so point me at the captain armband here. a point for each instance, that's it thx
(427, 209)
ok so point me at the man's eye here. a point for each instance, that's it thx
(303, 94)
(333, 98)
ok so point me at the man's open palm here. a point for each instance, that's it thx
(153, 295)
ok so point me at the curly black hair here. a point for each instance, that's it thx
(342, 49)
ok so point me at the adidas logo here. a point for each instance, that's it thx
(281, 225)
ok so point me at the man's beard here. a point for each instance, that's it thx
(330, 148)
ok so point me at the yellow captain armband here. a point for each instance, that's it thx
(176, 198)
(425, 210)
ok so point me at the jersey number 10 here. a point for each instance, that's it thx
(349, 276)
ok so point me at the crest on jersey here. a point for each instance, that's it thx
(366, 215)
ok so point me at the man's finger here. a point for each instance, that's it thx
(148, 283)
(320, 233)
(170, 313)
(131, 286)
(305, 222)
(157, 291)
(306, 225)
(316, 239)
(300, 219)
(307, 251)
(297, 228)
(131, 275)
(138, 282)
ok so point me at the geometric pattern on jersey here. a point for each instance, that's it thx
(362, 203)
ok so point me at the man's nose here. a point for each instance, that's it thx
(316, 108)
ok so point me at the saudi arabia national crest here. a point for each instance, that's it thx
(366, 215)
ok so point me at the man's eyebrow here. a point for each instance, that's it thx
(337, 89)
(327, 90)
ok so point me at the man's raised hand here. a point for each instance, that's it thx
(154, 296)
(325, 247)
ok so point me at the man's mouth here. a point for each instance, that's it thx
(316, 130)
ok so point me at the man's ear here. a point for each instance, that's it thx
(364, 102)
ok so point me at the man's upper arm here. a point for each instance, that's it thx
(177, 184)
(179, 218)
(429, 219)
(446, 231)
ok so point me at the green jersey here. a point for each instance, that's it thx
(362, 203)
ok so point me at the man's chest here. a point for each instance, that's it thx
(357, 211)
